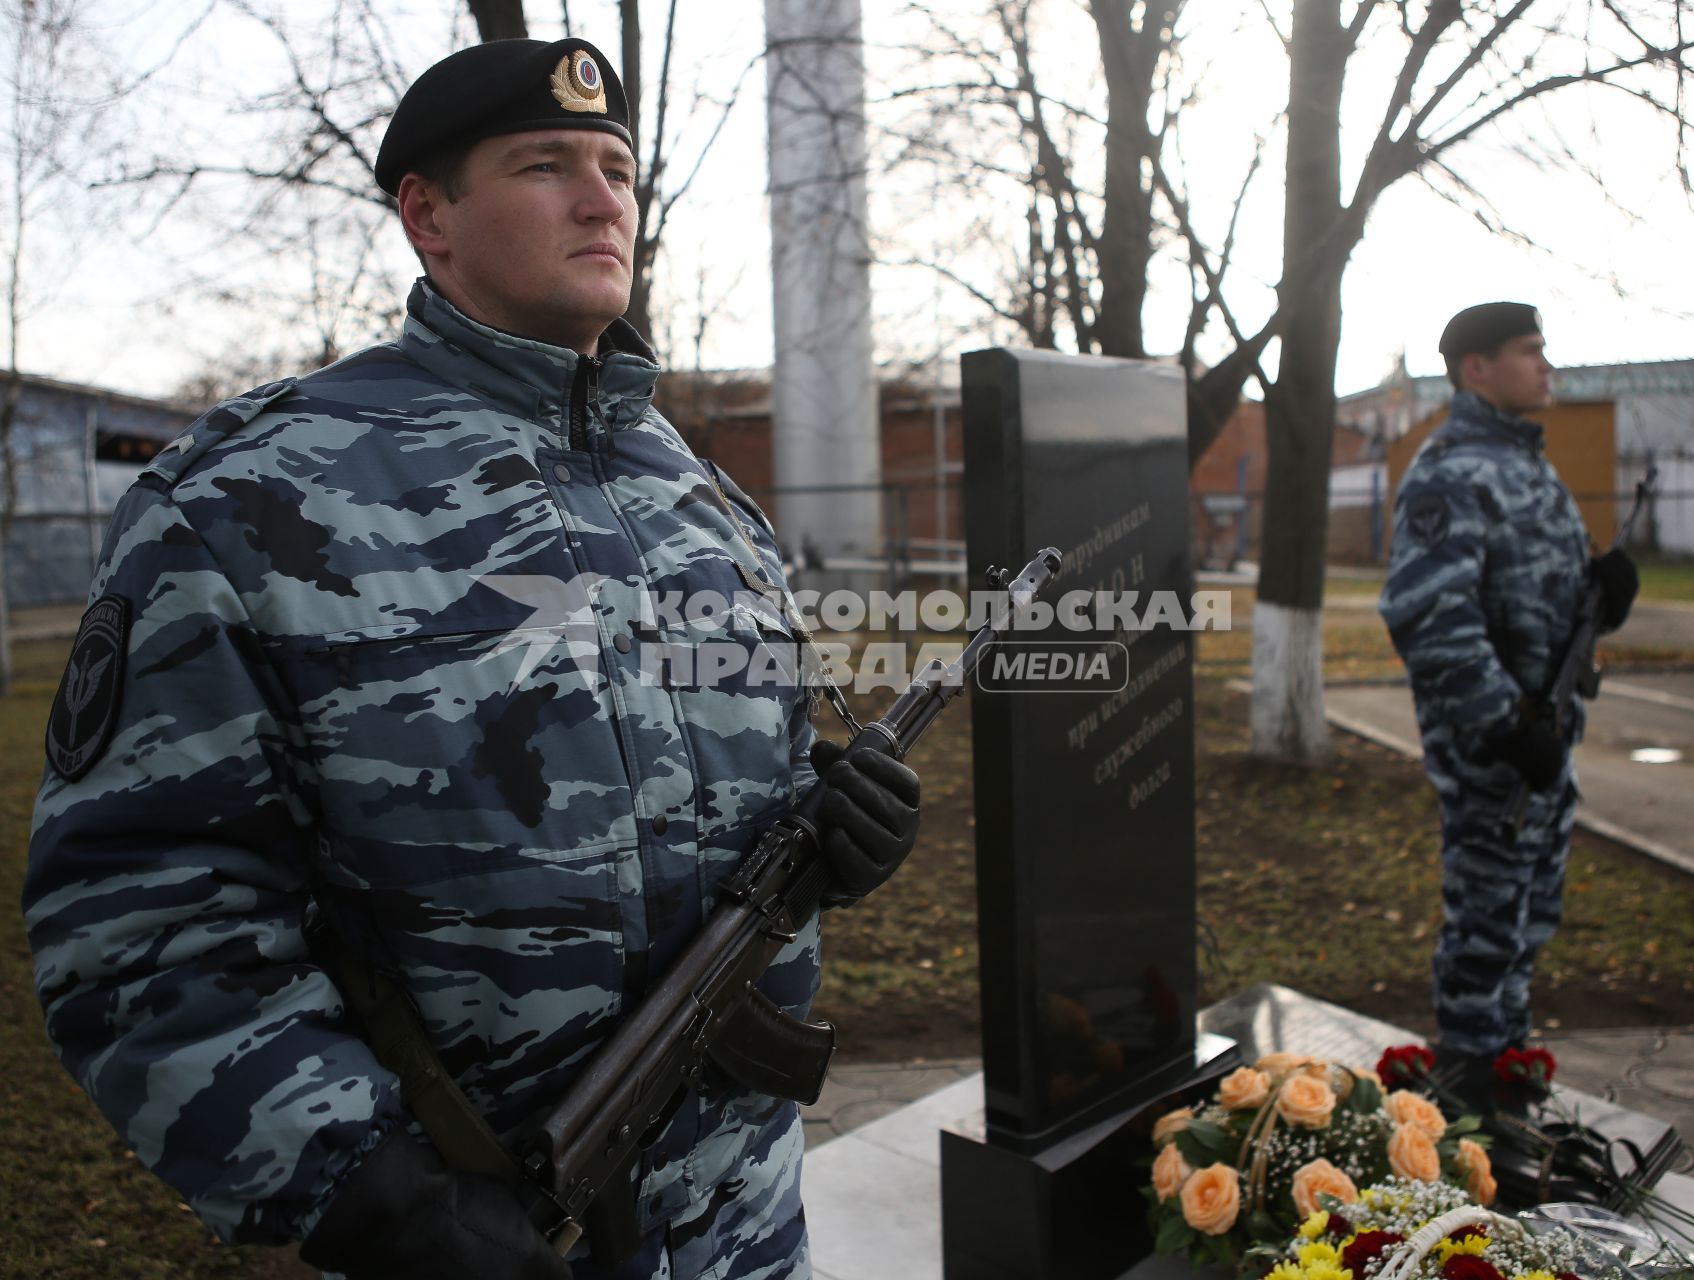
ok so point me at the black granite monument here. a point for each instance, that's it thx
(1085, 808)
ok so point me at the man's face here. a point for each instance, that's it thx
(1516, 379)
(540, 242)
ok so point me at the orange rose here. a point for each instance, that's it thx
(1405, 1107)
(1320, 1177)
(1478, 1170)
(1211, 1199)
(1243, 1088)
(1170, 1171)
(1306, 1101)
(1170, 1124)
(1412, 1154)
(1276, 1064)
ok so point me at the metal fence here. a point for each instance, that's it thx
(1227, 526)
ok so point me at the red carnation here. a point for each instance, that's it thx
(1366, 1245)
(1405, 1064)
(1533, 1067)
(1465, 1232)
(1467, 1266)
(1338, 1226)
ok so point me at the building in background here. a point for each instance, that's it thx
(1606, 423)
(73, 451)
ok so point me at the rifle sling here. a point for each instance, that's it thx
(766, 1049)
(395, 1031)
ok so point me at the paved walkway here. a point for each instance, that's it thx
(1635, 764)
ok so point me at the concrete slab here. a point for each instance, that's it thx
(1647, 806)
(873, 1196)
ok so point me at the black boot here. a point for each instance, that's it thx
(1466, 1079)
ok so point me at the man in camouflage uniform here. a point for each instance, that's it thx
(1489, 563)
(377, 645)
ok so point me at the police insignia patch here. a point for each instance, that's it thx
(1426, 517)
(85, 711)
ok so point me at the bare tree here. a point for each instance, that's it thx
(44, 126)
(1450, 70)
(1463, 66)
(1092, 231)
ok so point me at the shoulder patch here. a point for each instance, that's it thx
(85, 710)
(1427, 518)
(212, 427)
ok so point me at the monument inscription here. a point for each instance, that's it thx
(1085, 829)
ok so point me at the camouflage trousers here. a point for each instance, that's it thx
(1501, 902)
(750, 1227)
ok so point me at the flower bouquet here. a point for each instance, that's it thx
(1403, 1229)
(1246, 1167)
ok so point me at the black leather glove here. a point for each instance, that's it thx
(1615, 572)
(869, 818)
(403, 1212)
(1532, 748)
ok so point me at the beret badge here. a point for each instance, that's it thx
(577, 83)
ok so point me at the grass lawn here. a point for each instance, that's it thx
(1667, 580)
(1325, 880)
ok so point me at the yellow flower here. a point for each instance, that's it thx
(1472, 1245)
(1534, 1275)
(1315, 1225)
(1324, 1271)
(1317, 1254)
(1285, 1271)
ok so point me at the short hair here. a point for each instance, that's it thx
(445, 171)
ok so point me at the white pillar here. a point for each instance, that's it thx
(824, 410)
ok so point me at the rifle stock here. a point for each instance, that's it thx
(704, 1008)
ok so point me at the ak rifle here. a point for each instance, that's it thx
(704, 1011)
(1577, 673)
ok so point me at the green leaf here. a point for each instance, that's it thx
(1463, 1125)
(1261, 1226)
(1192, 1151)
(1174, 1236)
(1365, 1098)
(1211, 1137)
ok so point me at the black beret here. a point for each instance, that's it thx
(1484, 327)
(503, 86)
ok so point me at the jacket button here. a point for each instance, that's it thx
(659, 825)
(621, 643)
(561, 473)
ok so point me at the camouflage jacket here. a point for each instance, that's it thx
(390, 645)
(1485, 575)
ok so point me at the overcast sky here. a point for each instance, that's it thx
(121, 283)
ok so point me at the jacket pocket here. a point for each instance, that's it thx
(438, 753)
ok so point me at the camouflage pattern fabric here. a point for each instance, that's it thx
(1485, 575)
(392, 646)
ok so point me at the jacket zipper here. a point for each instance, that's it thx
(582, 390)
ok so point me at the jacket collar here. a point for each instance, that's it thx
(1472, 417)
(522, 375)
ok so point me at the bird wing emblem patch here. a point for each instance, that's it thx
(85, 711)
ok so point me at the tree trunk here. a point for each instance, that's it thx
(1287, 706)
(1126, 234)
(499, 19)
(641, 270)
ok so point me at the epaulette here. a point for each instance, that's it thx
(738, 496)
(211, 428)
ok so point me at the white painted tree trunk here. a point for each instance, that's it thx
(824, 403)
(1287, 706)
